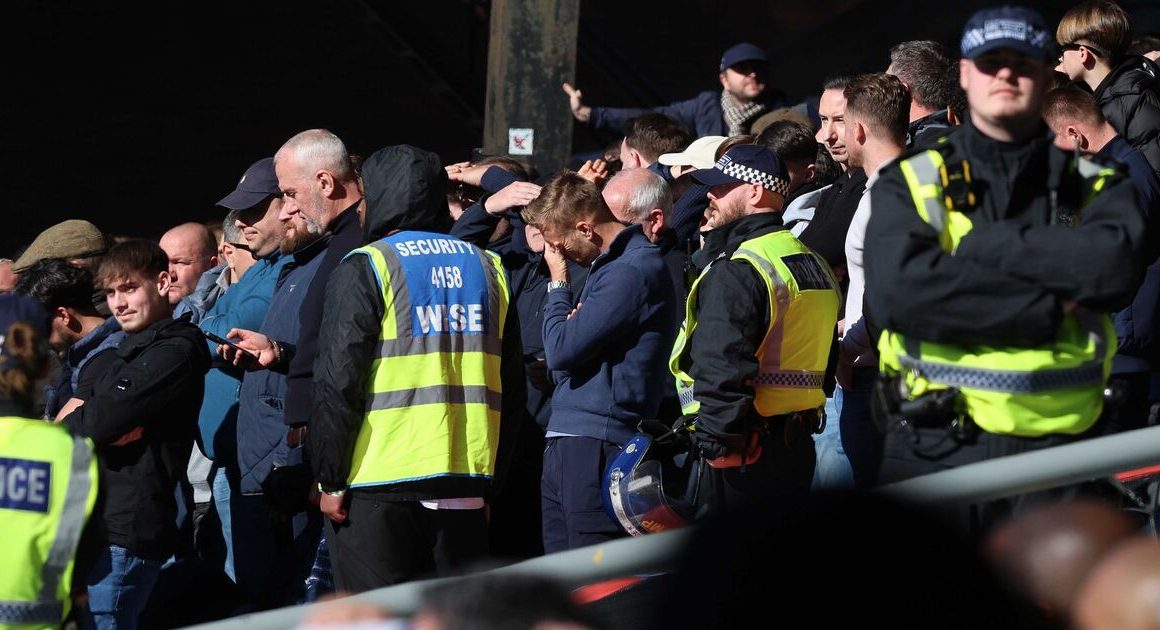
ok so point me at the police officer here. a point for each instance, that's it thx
(751, 357)
(991, 262)
(48, 487)
(418, 387)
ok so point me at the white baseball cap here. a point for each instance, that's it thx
(701, 153)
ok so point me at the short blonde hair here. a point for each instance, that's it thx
(565, 200)
(1102, 24)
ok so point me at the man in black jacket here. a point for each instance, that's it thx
(1020, 269)
(142, 415)
(1095, 37)
(398, 515)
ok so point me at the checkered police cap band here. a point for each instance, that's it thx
(751, 175)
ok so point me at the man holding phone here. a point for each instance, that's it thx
(250, 545)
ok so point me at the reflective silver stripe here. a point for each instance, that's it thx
(18, 613)
(436, 394)
(773, 338)
(408, 346)
(618, 503)
(397, 288)
(926, 172)
(1006, 381)
(72, 520)
(685, 394)
(495, 327)
(789, 378)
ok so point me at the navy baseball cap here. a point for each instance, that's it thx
(742, 52)
(254, 187)
(749, 163)
(1019, 28)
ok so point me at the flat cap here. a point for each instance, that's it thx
(75, 238)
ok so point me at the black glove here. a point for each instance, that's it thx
(710, 446)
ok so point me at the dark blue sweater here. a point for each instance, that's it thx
(611, 357)
(1137, 325)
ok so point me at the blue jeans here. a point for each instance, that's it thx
(833, 471)
(222, 492)
(861, 440)
(119, 586)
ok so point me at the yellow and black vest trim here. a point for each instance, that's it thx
(434, 392)
(1029, 392)
(804, 302)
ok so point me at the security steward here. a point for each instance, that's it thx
(48, 490)
(991, 264)
(751, 356)
(418, 389)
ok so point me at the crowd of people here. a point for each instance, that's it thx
(382, 368)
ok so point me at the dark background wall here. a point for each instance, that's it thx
(139, 116)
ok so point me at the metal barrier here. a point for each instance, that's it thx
(655, 553)
(993, 479)
(1039, 470)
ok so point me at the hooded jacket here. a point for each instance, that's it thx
(1130, 99)
(405, 189)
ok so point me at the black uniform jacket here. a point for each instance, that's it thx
(1013, 273)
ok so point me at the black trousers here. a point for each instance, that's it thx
(390, 542)
(785, 469)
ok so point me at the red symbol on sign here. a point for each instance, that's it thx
(519, 141)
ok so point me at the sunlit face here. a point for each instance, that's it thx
(188, 260)
(572, 243)
(303, 206)
(1003, 85)
(726, 204)
(832, 133)
(261, 229)
(1070, 64)
(138, 301)
(745, 80)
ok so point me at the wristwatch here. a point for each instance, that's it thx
(558, 284)
(333, 493)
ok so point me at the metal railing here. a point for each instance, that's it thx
(656, 553)
(983, 481)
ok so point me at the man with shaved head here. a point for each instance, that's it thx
(192, 251)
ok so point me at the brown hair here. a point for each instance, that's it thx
(653, 135)
(24, 362)
(732, 141)
(566, 199)
(1070, 103)
(1102, 25)
(134, 256)
(790, 140)
(928, 69)
(881, 101)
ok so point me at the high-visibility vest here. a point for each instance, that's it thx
(48, 487)
(1029, 392)
(803, 309)
(434, 390)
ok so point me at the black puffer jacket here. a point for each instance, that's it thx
(154, 380)
(1130, 99)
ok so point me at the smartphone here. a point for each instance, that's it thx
(216, 339)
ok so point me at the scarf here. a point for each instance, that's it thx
(737, 113)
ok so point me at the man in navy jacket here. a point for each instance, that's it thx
(743, 97)
(608, 354)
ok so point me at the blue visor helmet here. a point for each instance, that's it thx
(634, 494)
